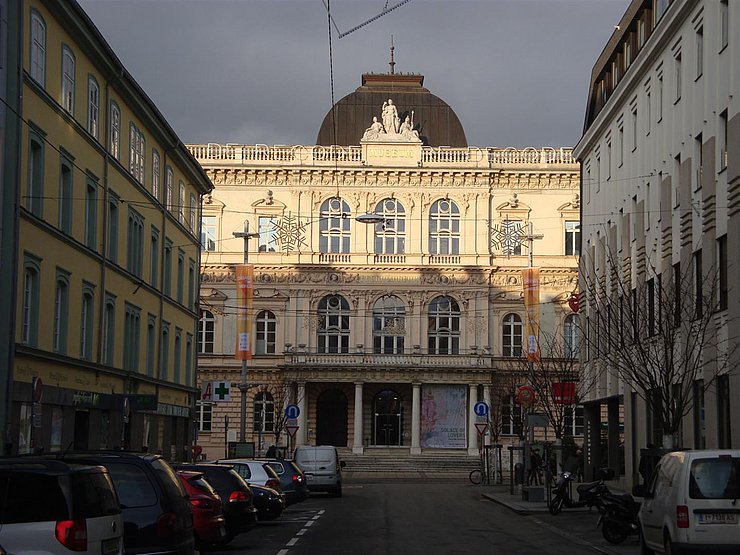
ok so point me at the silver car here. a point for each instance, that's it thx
(255, 472)
(50, 506)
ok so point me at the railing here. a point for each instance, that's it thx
(335, 258)
(389, 259)
(444, 259)
(360, 360)
(308, 155)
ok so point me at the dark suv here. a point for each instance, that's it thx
(236, 496)
(292, 480)
(157, 517)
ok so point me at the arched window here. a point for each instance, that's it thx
(571, 336)
(264, 412)
(87, 322)
(512, 336)
(444, 326)
(389, 325)
(206, 326)
(68, 79)
(444, 228)
(265, 339)
(334, 226)
(38, 48)
(115, 130)
(93, 106)
(61, 312)
(31, 289)
(333, 328)
(390, 236)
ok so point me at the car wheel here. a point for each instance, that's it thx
(612, 534)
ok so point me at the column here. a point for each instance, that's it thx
(612, 405)
(472, 430)
(416, 419)
(487, 399)
(592, 429)
(357, 445)
(302, 433)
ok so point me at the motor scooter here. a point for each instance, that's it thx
(618, 517)
(589, 493)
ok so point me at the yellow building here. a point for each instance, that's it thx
(107, 255)
(386, 332)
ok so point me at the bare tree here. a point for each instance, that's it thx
(659, 336)
(503, 386)
(282, 393)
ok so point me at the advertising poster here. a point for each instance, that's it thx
(244, 302)
(531, 281)
(443, 416)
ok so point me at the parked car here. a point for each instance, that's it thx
(292, 480)
(321, 466)
(237, 500)
(156, 512)
(49, 506)
(690, 503)
(209, 523)
(269, 503)
(255, 472)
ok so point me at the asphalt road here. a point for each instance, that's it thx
(386, 518)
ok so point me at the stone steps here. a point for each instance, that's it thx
(401, 462)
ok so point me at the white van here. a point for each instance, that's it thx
(322, 467)
(691, 504)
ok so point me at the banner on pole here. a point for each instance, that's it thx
(244, 302)
(531, 283)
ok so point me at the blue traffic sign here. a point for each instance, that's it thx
(480, 408)
(292, 411)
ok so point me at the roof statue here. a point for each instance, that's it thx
(392, 130)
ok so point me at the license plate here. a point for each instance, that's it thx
(110, 547)
(309, 478)
(717, 518)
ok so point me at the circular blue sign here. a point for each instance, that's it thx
(480, 408)
(292, 411)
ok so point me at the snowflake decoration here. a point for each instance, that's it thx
(290, 232)
(508, 237)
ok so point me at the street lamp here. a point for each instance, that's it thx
(243, 387)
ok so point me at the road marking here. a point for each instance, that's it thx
(309, 523)
(301, 532)
(292, 542)
(282, 552)
(322, 511)
(316, 517)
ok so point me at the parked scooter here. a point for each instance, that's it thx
(589, 494)
(618, 517)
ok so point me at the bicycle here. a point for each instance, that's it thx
(477, 476)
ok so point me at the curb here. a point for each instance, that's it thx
(517, 510)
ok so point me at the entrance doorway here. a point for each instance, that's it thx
(82, 430)
(388, 418)
(331, 418)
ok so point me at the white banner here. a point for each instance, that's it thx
(444, 416)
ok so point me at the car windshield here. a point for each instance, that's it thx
(93, 495)
(132, 485)
(271, 472)
(715, 478)
(277, 467)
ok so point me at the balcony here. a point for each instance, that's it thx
(310, 361)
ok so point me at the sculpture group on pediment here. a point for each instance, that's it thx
(391, 128)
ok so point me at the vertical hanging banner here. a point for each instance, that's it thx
(244, 302)
(531, 283)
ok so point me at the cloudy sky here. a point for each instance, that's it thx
(257, 71)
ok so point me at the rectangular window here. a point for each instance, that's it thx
(156, 173)
(677, 292)
(650, 285)
(724, 431)
(136, 152)
(109, 329)
(660, 97)
(698, 286)
(178, 355)
(66, 196)
(154, 258)
(91, 214)
(31, 289)
(724, 24)
(115, 131)
(208, 233)
(68, 80)
(677, 76)
(634, 128)
(135, 243)
(608, 160)
(699, 52)
(151, 343)
(511, 416)
(93, 106)
(205, 416)
(131, 333)
(675, 181)
(113, 227)
(698, 162)
(167, 267)
(181, 203)
(189, 360)
(267, 233)
(648, 112)
(191, 214)
(164, 351)
(659, 7)
(191, 284)
(87, 321)
(722, 264)
(180, 274)
(61, 311)
(38, 48)
(700, 440)
(620, 146)
(722, 139)
(573, 421)
(169, 184)
(35, 198)
(572, 238)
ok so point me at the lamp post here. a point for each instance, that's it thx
(243, 386)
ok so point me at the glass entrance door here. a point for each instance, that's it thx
(387, 419)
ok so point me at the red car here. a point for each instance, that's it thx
(208, 520)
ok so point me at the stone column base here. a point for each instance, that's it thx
(358, 450)
(473, 451)
(415, 451)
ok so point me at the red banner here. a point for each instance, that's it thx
(244, 302)
(564, 393)
(531, 283)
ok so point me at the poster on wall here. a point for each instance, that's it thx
(443, 416)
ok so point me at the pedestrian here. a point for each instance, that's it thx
(271, 451)
(579, 465)
(535, 462)
(647, 463)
